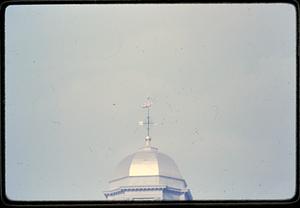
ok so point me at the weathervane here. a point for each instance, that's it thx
(147, 105)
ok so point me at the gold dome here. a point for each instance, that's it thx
(148, 161)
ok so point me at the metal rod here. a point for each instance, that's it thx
(148, 128)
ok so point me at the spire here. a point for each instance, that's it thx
(147, 105)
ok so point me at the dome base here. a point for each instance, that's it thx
(148, 193)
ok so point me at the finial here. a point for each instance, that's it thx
(148, 140)
(147, 105)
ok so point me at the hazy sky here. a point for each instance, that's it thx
(221, 77)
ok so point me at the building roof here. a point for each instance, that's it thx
(148, 161)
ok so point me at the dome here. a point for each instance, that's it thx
(147, 175)
(148, 161)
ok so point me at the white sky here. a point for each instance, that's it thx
(222, 80)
